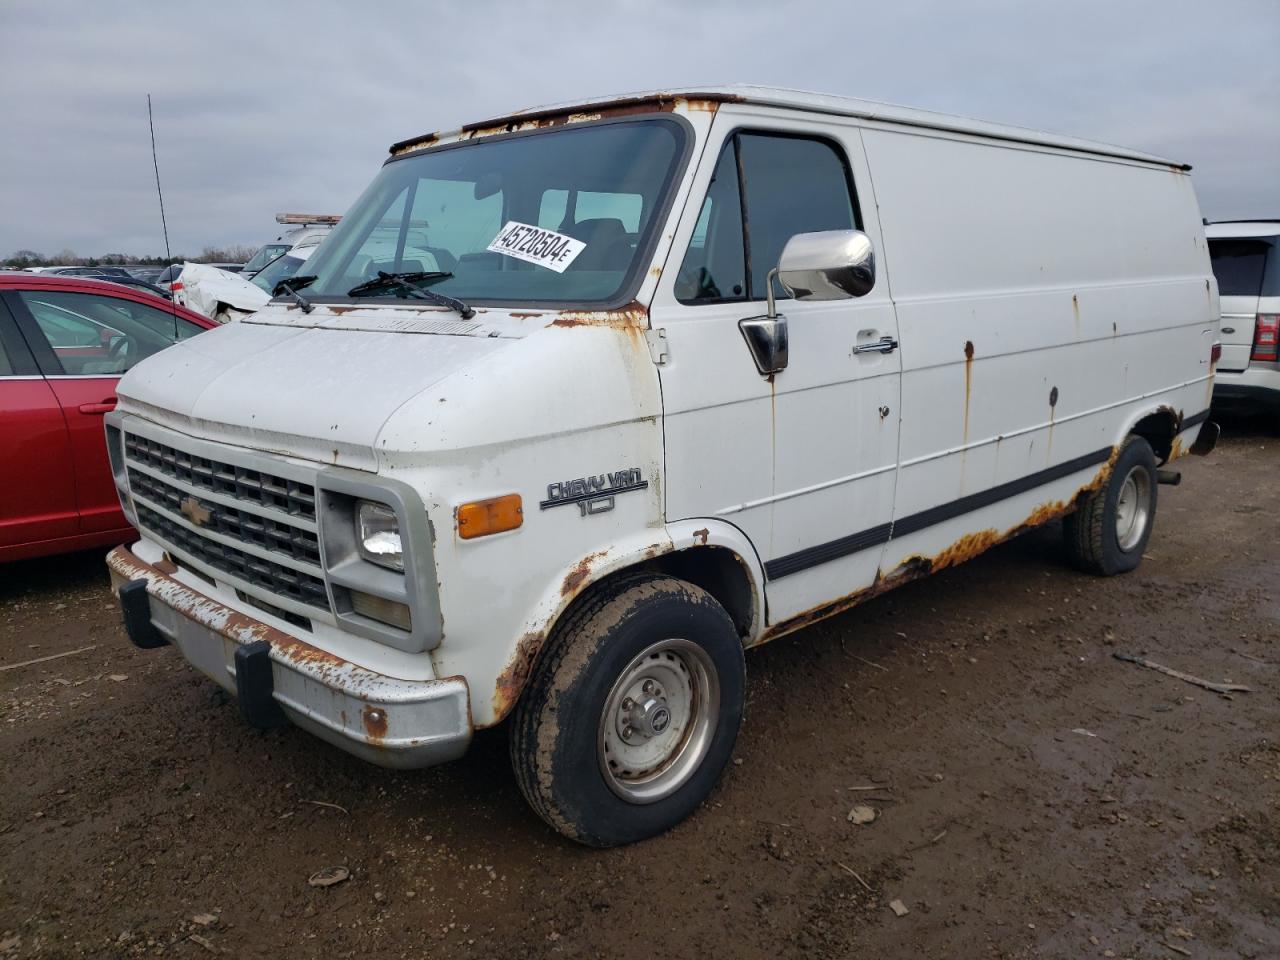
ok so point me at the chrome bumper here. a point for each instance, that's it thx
(390, 722)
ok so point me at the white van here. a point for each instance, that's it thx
(1246, 260)
(635, 385)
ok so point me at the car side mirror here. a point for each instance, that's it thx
(830, 265)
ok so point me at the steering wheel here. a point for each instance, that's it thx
(704, 285)
(121, 350)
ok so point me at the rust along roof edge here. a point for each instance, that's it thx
(712, 96)
(557, 114)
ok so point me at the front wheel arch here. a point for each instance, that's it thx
(709, 554)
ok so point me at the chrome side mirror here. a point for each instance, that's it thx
(831, 265)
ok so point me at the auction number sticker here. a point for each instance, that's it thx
(537, 245)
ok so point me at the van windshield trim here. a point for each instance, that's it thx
(685, 139)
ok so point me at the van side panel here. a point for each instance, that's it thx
(1046, 301)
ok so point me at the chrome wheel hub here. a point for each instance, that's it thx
(658, 721)
(1133, 508)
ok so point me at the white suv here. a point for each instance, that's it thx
(1246, 261)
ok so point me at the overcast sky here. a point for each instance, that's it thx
(267, 107)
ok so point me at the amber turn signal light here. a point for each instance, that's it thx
(483, 517)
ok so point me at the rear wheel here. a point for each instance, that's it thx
(1111, 526)
(630, 717)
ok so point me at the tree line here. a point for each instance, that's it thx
(21, 259)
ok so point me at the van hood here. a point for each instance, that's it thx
(318, 386)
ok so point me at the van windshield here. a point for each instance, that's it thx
(563, 216)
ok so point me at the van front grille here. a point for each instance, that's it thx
(239, 521)
(273, 578)
(242, 483)
(288, 541)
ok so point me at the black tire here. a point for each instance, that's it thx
(558, 732)
(1093, 540)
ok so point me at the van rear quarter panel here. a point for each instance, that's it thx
(1046, 301)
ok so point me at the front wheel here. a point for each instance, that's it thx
(1111, 526)
(632, 714)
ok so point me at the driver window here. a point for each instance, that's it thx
(766, 188)
(714, 267)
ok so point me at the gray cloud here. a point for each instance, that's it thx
(262, 108)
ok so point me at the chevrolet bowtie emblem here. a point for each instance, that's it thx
(195, 511)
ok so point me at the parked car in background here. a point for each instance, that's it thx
(300, 227)
(1246, 261)
(224, 296)
(64, 343)
(142, 285)
(168, 277)
(149, 274)
(86, 271)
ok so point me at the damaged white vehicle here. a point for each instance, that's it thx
(223, 296)
(576, 405)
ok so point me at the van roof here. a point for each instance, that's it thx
(801, 100)
(1220, 229)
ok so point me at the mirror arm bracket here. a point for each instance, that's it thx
(768, 283)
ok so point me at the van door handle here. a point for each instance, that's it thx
(883, 345)
(106, 406)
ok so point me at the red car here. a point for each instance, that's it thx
(64, 342)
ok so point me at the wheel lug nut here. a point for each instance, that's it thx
(626, 732)
(628, 703)
(648, 686)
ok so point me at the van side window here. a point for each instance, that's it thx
(714, 267)
(792, 185)
(789, 185)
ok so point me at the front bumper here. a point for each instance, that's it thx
(390, 722)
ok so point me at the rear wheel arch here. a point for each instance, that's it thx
(1159, 428)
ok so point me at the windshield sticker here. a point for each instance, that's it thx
(546, 248)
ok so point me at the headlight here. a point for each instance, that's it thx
(378, 535)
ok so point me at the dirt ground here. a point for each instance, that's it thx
(1036, 796)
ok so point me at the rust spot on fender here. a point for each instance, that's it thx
(576, 577)
(511, 681)
(702, 535)
(516, 673)
(375, 724)
(523, 316)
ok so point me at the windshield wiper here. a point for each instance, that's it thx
(408, 282)
(291, 286)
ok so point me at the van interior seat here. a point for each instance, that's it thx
(608, 245)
